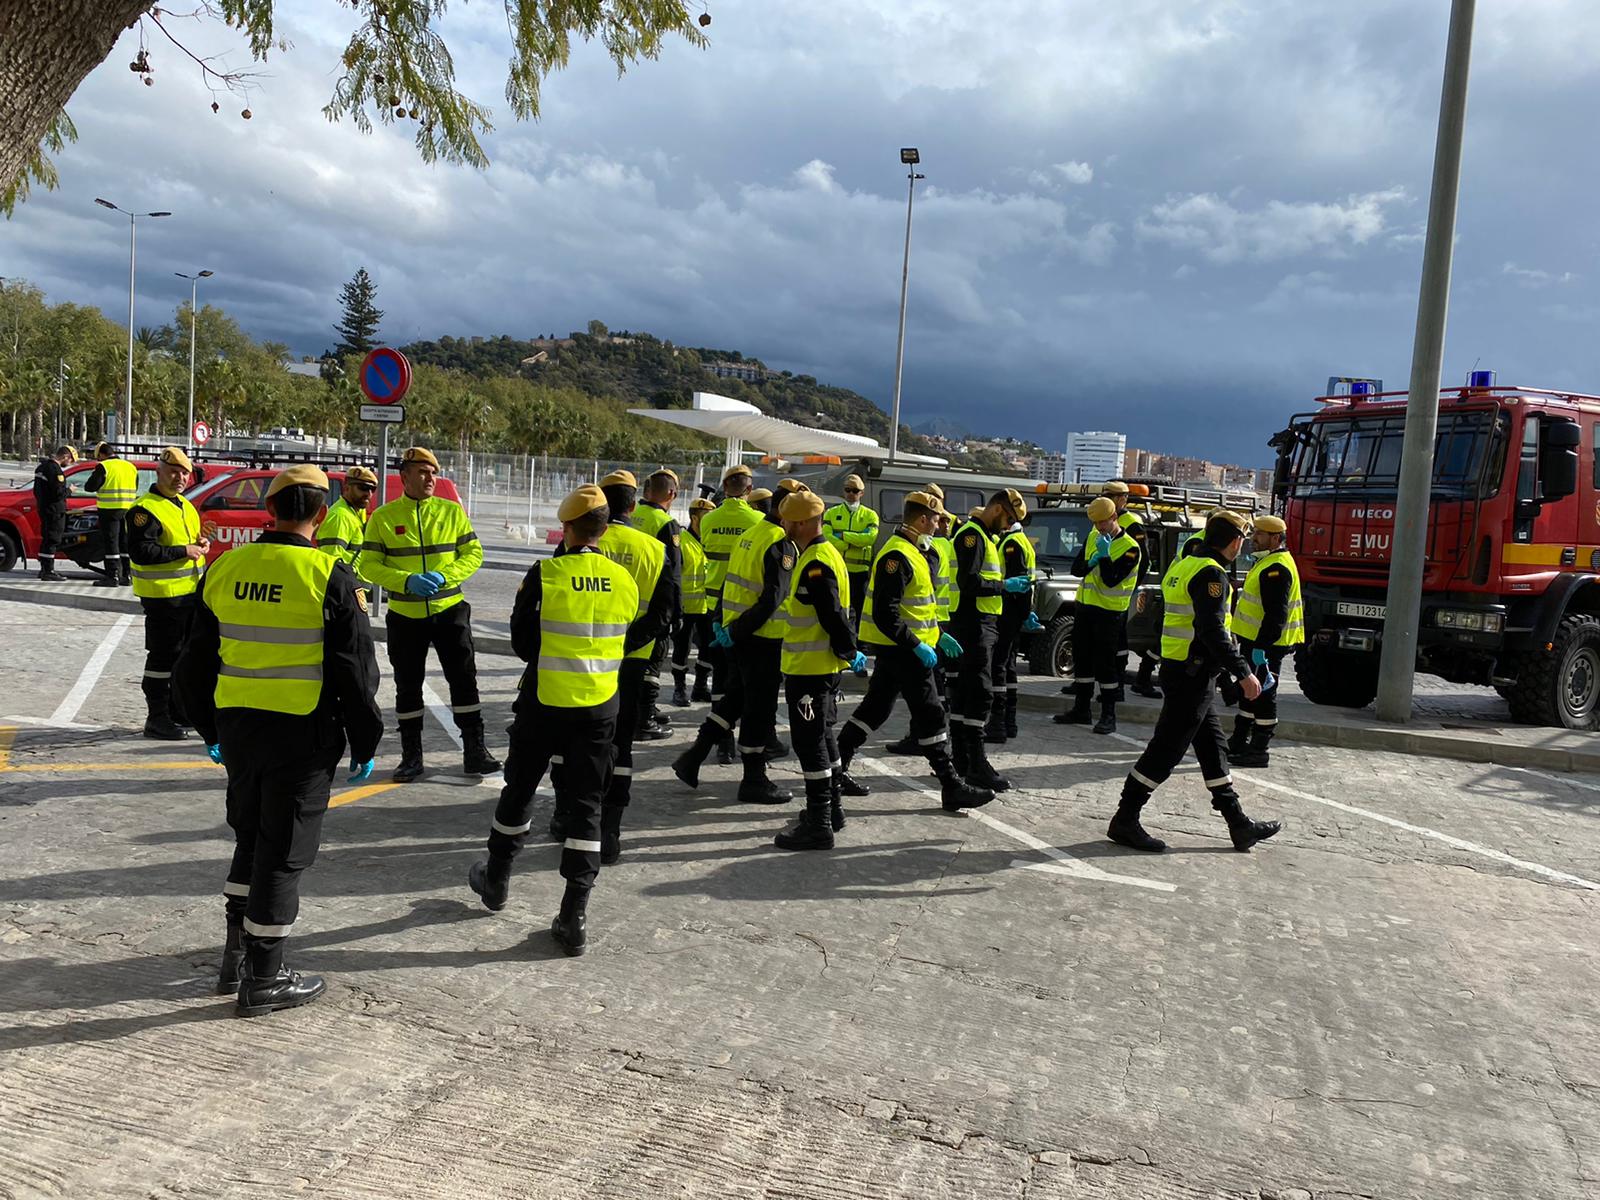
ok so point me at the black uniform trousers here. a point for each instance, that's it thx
(1097, 637)
(1008, 632)
(693, 630)
(277, 796)
(166, 628)
(859, 581)
(975, 669)
(449, 634)
(760, 663)
(650, 684)
(584, 745)
(114, 532)
(1263, 710)
(896, 672)
(52, 530)
(630, 691)
(1187, 720)
(813, 727)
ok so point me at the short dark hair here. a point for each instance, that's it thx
(298, 503)
(60, 450)
(913, 511)
(621, 498)
(1221, 532)
(659, 482)
(592, 524)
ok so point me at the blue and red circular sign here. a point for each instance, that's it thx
(385, 376)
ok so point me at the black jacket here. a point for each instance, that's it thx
(50, 489)
(1213, 647)
(820, 590)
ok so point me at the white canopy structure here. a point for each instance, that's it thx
(740, 423)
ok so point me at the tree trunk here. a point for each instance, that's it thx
(47, 47)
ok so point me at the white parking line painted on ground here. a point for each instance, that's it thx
(1448, 839)
(1062, 863)
(442, 714)
(92, 670)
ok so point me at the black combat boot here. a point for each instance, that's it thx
(491, 880)
(1239, 739)
(475, 756)
(849, 785)
(1144, 683)
(1244, 832)
(980, 771)
(1108, 717)
(1011, 712)
(835, 808)
(571, 924)
(610, 835)
(687, 765)
(702, 689)
(127, 571)
(956, 793)
(756, 787)
(1125, 829)
(161, 727)
(727, 751)
(113, 575)
(1255, 753)
(232, 959)
(907, 745)
(410, 766)
(1079, 713)
(851, 739)
(994, 732)
(680, 690)
(814, 830)
(47, 568)
(267, 986)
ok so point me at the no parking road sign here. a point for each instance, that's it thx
(385, 376)
(201, 433)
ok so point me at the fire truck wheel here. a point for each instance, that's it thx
(10, 551)
(1050, 652)
(1340, 680)
(1561, 686)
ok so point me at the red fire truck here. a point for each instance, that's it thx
(1511, 593)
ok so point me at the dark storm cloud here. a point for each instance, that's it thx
(1174, 220)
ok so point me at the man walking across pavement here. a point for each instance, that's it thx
(1269, 623)
(168, 553)
(1017, 557)
(1195, 647)
(723, 527)
(344, 529)
(570, 623)
(900, 619)
(420, 548)
(1108, 564)
(279, 675)
(694, 623)
(653, 517)
(114, 483)
(852, 529)
(941, 555)
(50, 492)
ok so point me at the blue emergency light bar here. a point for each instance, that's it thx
(1480, 379)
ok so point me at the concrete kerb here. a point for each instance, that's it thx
(90, 598)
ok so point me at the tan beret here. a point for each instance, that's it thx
(1102, 508)
(1270, 524)
(1016, 503)
(619, 479)
(580, 502)
(361, 475)
(419, 454)
(103, 449)
(1021, 508)
(1115, 488)
(664, 473)
(933, 489)
(927, 500)
(702, 505)
(759, 495)
(790, 484)
(854, 481)
(801, 506)
(735, 470)
(305, 475)
(1238, 520)
(175, 457)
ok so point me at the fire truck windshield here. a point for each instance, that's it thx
(1344, 454)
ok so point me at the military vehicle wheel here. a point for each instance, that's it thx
(1561, 686)
(1328, 676)
(1051, 650)
(10, 550)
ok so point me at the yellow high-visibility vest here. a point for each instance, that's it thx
(806, 648)
(647, 518)
(642, 557)
(1030, 556)
(407, 537)
(267, 598)
(853, 534)
(342, 531)
(919, 606)
(121, 486)
(1250, 613)
(1094, 591)
(989, 570)
(742, 587)
(720, 531)
(1177, 619)
(943, 573)
(180, 526)
(586, 603)
(694, 575)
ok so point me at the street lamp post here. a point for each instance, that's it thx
(62, 371)
(132, 238)
(194, 335)
(910, 157)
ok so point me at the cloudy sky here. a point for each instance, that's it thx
(1173, 218)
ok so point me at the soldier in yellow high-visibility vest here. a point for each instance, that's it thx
(570, 623)
(817, 644)
(344, 529)
(1269, 623)
(900, 621)
(941, 556)
(722, 528)
(420, 548)
(1195, 647)
(279, 676)
(1108, 563)
(168, 552)
(694, 624)
(653, 516)
(852, 528)
(115, 486)
(1018, 556)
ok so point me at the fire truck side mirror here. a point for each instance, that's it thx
(1558, 459)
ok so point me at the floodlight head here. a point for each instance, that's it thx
(158, 214)
(104, 203)
(909, 156)
(206, 274)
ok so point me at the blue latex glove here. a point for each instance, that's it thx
(926, 655)
(858, 664)
(1032, 624)
(948, 646)
(1019, 583)
(1101, 554)
(360, 770)
(1258, 658)
(421, 585)
(435, 576)
(722, 637)
(214, 752)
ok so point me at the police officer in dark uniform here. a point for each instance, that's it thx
(279, 675)
(569, 623)
(1195, 646)
(50, 492)
(654, 517)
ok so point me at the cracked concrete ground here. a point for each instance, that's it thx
(1391, 999)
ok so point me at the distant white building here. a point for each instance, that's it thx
(1051, 468)
(1094, 457)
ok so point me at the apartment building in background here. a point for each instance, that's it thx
(1094, 456)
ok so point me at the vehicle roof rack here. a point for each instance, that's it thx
(285, 458)
(1157, 497)
(1465, 392)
